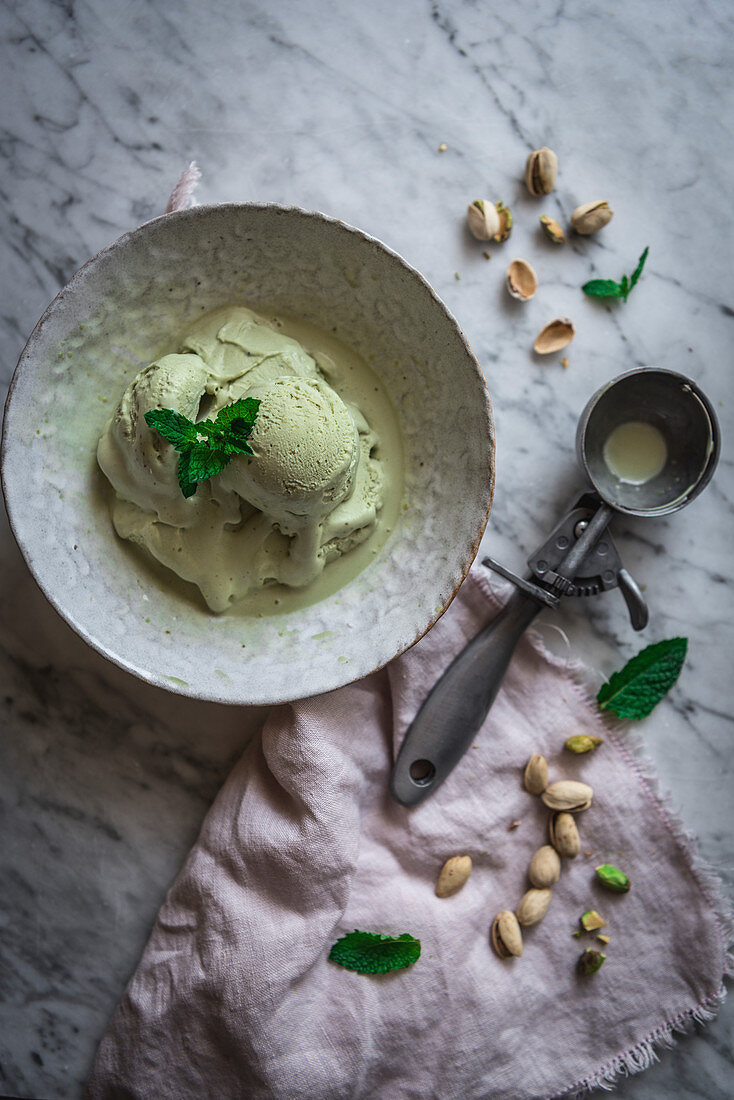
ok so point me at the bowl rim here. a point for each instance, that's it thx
(197, 211)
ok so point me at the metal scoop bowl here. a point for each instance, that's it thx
(677, 435)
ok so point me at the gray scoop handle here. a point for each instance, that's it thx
(455, 709)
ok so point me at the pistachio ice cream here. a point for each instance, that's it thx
(314, 490)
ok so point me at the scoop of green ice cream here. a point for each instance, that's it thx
(305, 451)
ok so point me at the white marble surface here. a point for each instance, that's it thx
(342, 107)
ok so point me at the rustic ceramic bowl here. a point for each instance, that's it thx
(124, 307)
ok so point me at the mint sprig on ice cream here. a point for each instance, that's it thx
(205, 448)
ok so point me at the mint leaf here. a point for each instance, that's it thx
(187, 484)
(374, 953)
(602, 288)
(608, 288)
(206, 448)
(638, 270)
(205, 462)
(245, 410)
(173, 426)
(637, 688)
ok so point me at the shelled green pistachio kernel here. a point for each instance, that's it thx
(591, 961)
(612, 878)
(591, 920)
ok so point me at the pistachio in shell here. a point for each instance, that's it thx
(569, 795)
(552, 230)
(564, 835)
(582, 742)
(545, 868)
(556, 335)
(483, 219)
(541, 168)
(453, 876)
(506, 935)
(533, 906)
(536, 774)
(521, 280)
(591, 217)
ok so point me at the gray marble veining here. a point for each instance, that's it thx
(342, 107)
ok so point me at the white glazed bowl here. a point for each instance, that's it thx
(126, 306)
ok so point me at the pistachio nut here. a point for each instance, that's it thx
(591, 920)
(536, 774)
(483, 219)
(569, 795)
(591, 961)
(604, 939)
(545, 867)
(453, 875)
(540, 171)
(521, 280)
(613, 878)
(552, 230)
(564, 836)
(505, 217)
(506, 935)
(533, 906)
(583, 743)
(556, 335)
(591, 217)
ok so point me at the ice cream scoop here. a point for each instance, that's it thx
(305, 450)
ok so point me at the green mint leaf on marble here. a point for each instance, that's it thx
(374, 953)
(205, 447)
(608, 288)
(636, 689)
(638, 270)
(602, 288)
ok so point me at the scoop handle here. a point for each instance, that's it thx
(456, 707)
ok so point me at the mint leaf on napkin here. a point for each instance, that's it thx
(637, 688)
(373, 953)
(205, 448)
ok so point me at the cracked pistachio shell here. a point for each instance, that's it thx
(453, 875)
(521, 280)
(536, 774)
(540, 171)
(552, 230)
(533, 906)
(568, 795)
(506, 935)
(556, 335)
(591, 217)
(545, 867)
(483, 220)
(564, 835)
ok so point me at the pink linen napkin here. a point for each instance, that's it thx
(235, 996)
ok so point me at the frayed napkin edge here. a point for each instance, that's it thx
(630, 745)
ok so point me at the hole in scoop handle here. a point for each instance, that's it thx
(457, 705)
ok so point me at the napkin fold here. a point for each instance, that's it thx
(234, 995)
